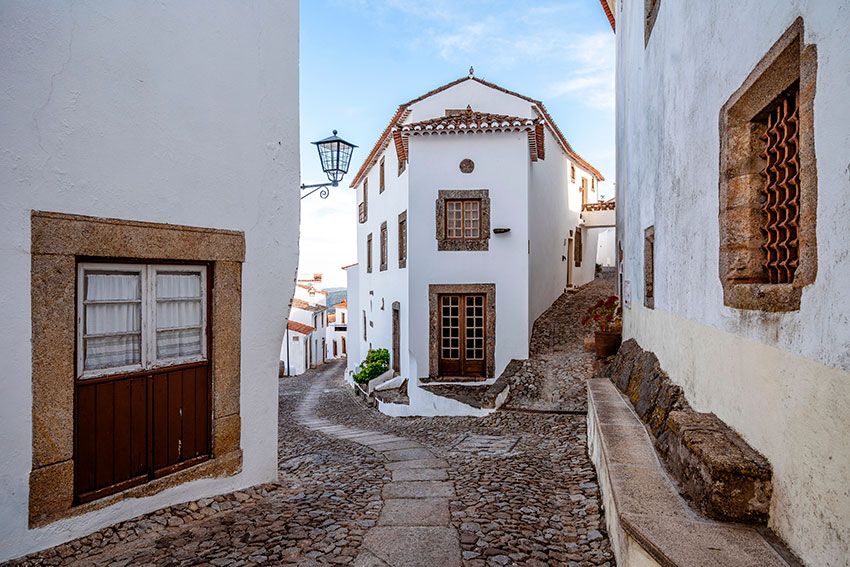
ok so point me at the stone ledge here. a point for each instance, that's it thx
(722, 476)
(649, 523)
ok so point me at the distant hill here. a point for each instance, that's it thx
(335, 295)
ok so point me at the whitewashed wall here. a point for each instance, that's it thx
(554, 211)
(501, 166)
(782, 380)
(179, 112)
(354, 333)
(378, 290)
(295, 354)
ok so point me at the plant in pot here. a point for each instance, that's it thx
(605, 318)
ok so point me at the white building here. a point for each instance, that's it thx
(337, 331)
(304, 344)
(469, 228)
(149, 174)
(754, 328)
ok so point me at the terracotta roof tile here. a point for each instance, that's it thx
(342, 304)
(299, 327)
(609, 14)
(311, 288)
(404, 110)
(301, 304)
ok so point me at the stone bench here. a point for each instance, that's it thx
(722, 476)
(648, 521)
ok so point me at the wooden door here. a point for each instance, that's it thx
(570, 256)
(396, 339)
(343, 345)
(334, 346)
(132, 428)
(462, 335)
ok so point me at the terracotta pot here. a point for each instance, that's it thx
(606, 344)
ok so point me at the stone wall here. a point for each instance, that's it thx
(715, 469)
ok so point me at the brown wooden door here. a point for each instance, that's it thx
(133, 428)
(462, 335)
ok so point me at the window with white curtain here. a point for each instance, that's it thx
(134, 317)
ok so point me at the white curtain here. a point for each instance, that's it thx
(178, 314)
(113, 313)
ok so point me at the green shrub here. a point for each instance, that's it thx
(377, 362)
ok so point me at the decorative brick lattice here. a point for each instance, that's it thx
(781, 190)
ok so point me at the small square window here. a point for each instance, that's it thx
(463, 220)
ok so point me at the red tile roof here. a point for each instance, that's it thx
(472, 122)
(311, 288)
(300, 327)
(342, 304)
(332, 318)
(609, 205)
(404, 110)
(306, 306)
(348, 266)
(608, 14)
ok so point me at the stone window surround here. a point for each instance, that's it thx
(434, 292)
(789, 60)
(444, 244)
(59, 242)
(649, 267)
(402, 242)
(384, 244)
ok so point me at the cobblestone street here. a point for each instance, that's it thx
(514, 488)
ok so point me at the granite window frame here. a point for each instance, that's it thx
(649, 267)
(369, 253)
(435, 291)
(480, 244)
(789, 64)
(59, 242)
(383, 239)
(402, 239)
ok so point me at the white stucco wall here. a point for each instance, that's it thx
(295, 353)
(378, 290)
(606, 248)
(782, 380)
(553, 213)
(502, 167)
(177, 112)
(355, 330)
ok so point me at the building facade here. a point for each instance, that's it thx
(144, 252)
(470, 226)
(337, 332)
(733, 207)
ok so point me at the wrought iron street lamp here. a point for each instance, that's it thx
(335, 155)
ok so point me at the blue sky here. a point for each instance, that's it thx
(360, 59)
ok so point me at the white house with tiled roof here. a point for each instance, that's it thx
(337, 331)
(304, 342)
(470, 226)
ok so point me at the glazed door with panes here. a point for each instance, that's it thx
(142, 400)
(462, 335)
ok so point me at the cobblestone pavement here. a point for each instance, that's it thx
(552, 379)
(525, 493)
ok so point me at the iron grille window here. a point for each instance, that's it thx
(463, 219)
(781, 189)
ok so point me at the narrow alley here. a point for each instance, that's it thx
(357, 487)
